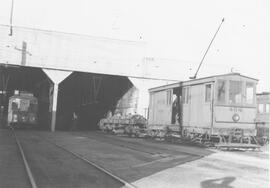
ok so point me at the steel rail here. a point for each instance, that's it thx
(126, 184)
(26, 165)
(132, 148)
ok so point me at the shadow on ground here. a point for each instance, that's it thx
(218, 183)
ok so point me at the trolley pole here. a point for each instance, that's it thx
(195, 76)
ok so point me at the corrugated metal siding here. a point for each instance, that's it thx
(47, 49)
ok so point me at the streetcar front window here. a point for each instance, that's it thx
(24, 105)
(32, 107)
(260, 108)
(235, 92)
(249, 93)
(14, 105)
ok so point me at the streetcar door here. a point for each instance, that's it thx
(208, 104)
(161, 107)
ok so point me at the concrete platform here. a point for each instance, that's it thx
(219, 170)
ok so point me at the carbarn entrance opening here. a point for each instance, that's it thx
(90, 96)
(22, 79)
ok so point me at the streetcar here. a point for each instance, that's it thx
(220, 109)
(263, 117)
(22, 109)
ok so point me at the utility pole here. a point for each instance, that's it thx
(195, 76)
(10, 19)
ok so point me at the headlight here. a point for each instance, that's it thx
(32, 119)
(236, 117)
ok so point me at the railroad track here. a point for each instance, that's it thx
(25, 162)
(126, 184)
(31, 176)
(134, 146)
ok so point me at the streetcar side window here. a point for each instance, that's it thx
(169, 97)
(267, 108)
(208, 88)
(188, 94)
(260, 108)
(249, 93)
(185, 95)
(235, 92)
(221, 91)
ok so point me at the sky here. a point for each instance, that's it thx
(179, 30)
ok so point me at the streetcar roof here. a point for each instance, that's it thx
(197, 81)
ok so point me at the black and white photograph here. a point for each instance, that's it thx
(134, 94)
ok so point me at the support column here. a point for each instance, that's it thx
(56, 77)
(54, 106)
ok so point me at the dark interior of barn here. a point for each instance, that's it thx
(90, 96)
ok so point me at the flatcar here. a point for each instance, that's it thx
(22, 109)
(219, 108)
